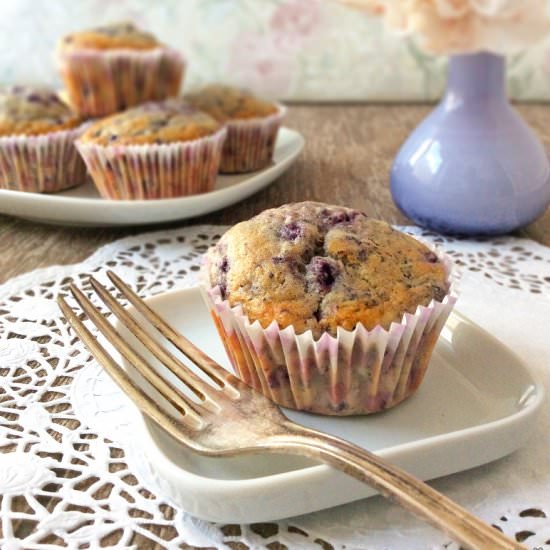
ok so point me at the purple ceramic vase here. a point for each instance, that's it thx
(473, 166)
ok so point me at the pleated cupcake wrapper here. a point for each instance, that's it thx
(356, 372)
(41, 164)
(154, 171)
(250, 143)
(101, 82)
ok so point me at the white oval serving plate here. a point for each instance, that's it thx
(477, 403)
(83, 206)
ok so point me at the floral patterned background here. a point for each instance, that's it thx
(291, 49)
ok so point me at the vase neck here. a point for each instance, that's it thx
(476, 77)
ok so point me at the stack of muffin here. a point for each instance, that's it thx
(126, 126)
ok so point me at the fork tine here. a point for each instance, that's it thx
(201, 359)
(181, 402)
(203, 390)
(145, 403)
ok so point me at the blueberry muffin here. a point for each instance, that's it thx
(117, 36)
(156, 150)
(37, 133)
(318, 268)
(33, 111)
(326, 310)
(252, 125)
(110, 68)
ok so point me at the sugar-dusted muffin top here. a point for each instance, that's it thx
(318, 267)
(33, 111)
(225, 103)
(154, 122)
(110, 37)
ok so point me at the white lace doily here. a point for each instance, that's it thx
(74, 476)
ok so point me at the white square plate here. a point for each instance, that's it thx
(82, 205)
(477, 403)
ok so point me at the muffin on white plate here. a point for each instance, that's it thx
(157, 150)
(37, 134)
(326, 310)
(252, 125)
(113, 67)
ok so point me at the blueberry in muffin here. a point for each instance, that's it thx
(162, 122)
(156, 150)
(37, 133)
(252, 125)
(319, 267)
(113, 67)
(33, 111)
(326, 310)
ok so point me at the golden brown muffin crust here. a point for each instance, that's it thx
(110, 37)
(33, 111)
(226, 103)
(160, 122)
(320, 267)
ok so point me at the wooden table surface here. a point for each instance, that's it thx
(346, 160)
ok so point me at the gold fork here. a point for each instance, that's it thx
(231, 418)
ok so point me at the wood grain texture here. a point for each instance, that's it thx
(346, 160)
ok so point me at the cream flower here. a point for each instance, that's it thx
(460, 26)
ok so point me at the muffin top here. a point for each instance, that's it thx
(227, 103)
(33, 111)
(318, 267)
(110, 37)
(159, 122)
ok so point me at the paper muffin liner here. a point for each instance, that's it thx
(155, 171)
(356, 372)
(250, 143)
(102, 82)
(41, 164)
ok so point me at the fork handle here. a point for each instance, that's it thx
(396, 485)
